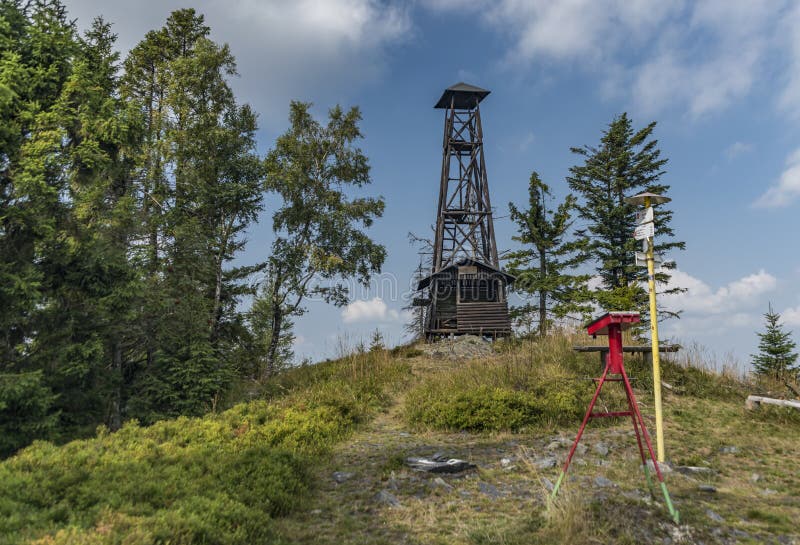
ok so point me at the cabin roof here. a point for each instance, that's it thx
(425, 282)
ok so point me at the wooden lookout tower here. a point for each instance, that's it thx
(466, 290)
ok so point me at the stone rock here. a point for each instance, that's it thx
(545, 463)
(634, 495)
(505, 462)
(387, 498)
(707, 488)
(441, 483)
(601, 448)
(768, 492)
(581, 449)
(714, 516)
(729, 450)
(452, 465)
(462, 347)
(548, 484)
(694, 470)
(342, 476)
(489, 489)
(393, 482)
(665, 467)
(602, 482)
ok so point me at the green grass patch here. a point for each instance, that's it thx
(539, 385)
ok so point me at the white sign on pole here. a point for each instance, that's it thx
(644, 231)
(644, 216)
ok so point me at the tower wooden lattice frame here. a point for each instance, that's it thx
(467, 289)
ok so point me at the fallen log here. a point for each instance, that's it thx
(754, 401)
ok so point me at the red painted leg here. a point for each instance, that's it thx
(629, 391)
(632, 399)
(586, 417)
(636, 429)
(580, 431)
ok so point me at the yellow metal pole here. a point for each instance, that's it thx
(651, 284)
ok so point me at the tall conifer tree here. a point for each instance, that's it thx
(543, 266)
(200, 183)
(626, 162)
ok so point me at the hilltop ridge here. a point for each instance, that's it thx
(319, 456)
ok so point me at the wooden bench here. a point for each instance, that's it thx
(603, 350)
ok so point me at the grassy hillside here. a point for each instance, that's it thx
(263, 471)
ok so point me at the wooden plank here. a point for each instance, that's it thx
(629, 349)
(754, 401)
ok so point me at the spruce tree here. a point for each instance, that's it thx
(201, 186)
(543, 265)
(626, 162)
(776, 358)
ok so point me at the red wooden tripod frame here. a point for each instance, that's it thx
(612, 324)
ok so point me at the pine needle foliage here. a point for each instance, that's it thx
(544, 265)
(626, 162)
(776, 356)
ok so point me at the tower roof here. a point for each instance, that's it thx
(465, 96)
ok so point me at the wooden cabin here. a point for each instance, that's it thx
(467, 297)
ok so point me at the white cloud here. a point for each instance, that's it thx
(700, 87)
(787, 189)
(738, 148)
(698, 56)
(448, 5)
(305, 49)
(370, 310)
(701, 299)
(789, 99)
(526, 141)
(791, 316)
(720, 312)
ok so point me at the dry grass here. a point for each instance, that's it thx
(703, 415)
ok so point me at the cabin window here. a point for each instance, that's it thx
(478, 290)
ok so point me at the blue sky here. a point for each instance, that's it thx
(721, 78)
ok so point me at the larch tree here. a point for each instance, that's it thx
(320, 239)
(545, 266)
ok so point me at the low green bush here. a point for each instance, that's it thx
(212, 480)
(495, 408)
